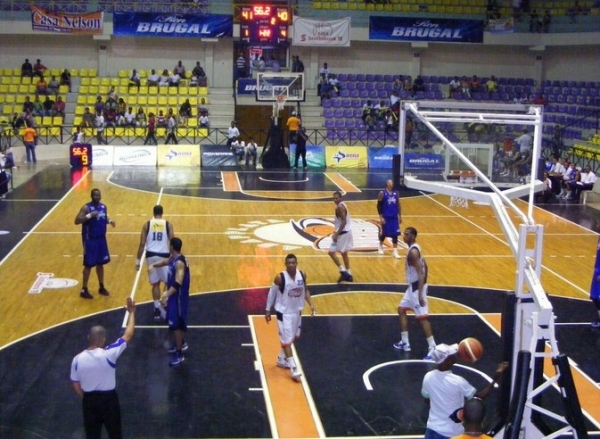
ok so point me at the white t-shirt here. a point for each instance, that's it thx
(525, 142)
(446, 393)
(95, 369)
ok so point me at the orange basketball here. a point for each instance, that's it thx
(470, 350)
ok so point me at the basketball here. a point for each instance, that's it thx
(470, 350)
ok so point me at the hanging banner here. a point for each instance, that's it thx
(77, 24)
(148, 24)
(442, 30)
(502, 25)
(321, 33)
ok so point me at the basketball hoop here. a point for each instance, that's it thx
(280, 100)
(459, 202)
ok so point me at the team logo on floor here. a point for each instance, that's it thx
(47, 280)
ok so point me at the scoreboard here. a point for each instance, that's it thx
(264, 24)
(80, 155)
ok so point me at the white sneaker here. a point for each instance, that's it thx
(396, 255)
(429, 356)
(296, 374)
(282, 362)
(402, 346)
(380, 250)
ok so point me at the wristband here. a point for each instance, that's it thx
(177, 285)
(88, 216)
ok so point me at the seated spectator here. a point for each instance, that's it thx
(261, 65)
(198, 76)
(203, 120)
(371, 120)
(546, 194)
(174, 80)
(26, 69)
(465, 87)
(112, 93)
(334, 82)
(18, 121)
(121, 107)
(39, 69)
(398, 85)
(28, 105)
(408, 86)
(99, 105)
(140, 118)
(111, 118)
(492, 85)
(586, 183)
(65, 79)
(164, 79)
(394, 99)
(153, 79)
(128, 119)
(453, 86)
(202, 108)
(238, 147)
(53, 86)
(186, 109)
(545, 22)
(88, 118)
(38, 107)
(380, 110)
(111, 103)
(540, 99)
(326, 90)
(58, 109)
(48, 106)
(418, 84)
(569, 176)
(134, 79)
(179, 70)
(161, 119)
(41, 87)
(475, 85)
(251, 151)
(366, 109)
(508, 160)
(519, 99)
(275, 66)
(524, 141)
(556, 173)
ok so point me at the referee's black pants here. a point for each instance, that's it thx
(101, 408)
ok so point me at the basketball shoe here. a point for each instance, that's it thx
(402, 346)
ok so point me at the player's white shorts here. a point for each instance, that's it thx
(345, 243)
(411, 301)
(159, 274)
(289, 326)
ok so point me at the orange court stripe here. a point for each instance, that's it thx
(291, 409)
(230, 182)
(341, 182)
(588, 393)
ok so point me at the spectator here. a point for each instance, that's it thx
(299, 65)
(574, 11)
(475, 85)
(26, 69)
(198, 76)
(261, 65)
(232, 133)
(153, 79)
(164, 79)
(586, 183)
(240, 64)
(540, 99)
(186, 109)
(128, 119)
(453, 86)
(78, 137)
(171, 128)
(161, 120)
(275, 65)
(151, 135)
(112, 104)
(134, 79)
(140, 118)
(28, 105)
(38, 107)
(203, 120)
(251, 151)
(88, 118)
(371, 120)
(121, 107)
(17, 122)
(546, 20)
(491, 85)
(174, 80)
(111, 118)
(39, 69)
(465, 87)
(112, 93)
(48, 106)
(533, 21)
(546, 194)
(324, 70)
(30, 141)
(418, 84)
(180, 70)
(99, 123)
(380, 110)
(394, 99)
(41, 87)
(53, 86)
(238, 148)
(366, 109)
(65, 79)
(58, 109)
(99, 106)
(293, 123)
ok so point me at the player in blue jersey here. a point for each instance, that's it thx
(176, 298)
(390, 216)
(595, 287)
(93, 218)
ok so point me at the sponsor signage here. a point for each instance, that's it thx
(423, 161)
(102, 155)
(426, 29)
(217, 156)
(315, 156)
(77, 24)
(502, 25)
(321, 33)
(346, 156)
(134, 156)
(382, 158)
(179, 155)
(247, 86)
(147, 24)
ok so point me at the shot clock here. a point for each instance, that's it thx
(264, 24)
(80, 155)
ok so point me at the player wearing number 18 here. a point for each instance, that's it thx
(154, 239)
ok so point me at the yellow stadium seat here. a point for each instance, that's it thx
(46, 121)
(13, 88)
(93, 89)
(194, 100)
(26, 80)
(95, 81)
(77, 121)
(183, 90)
(91, 100)
(173, 91)
(132, 100)
(16, 72)
(153, 90)
(104, 81)
(163, 91)
(152, 100)
(202, 90)
(153, 110)
(20, 99)
(172, 101)
(7, 109)
(57, 121)
(85, 81)
(161, 132)
(84, 73)
(92, 73)
(9, 99)
(55, 72)
(133, 90)
(193, 91)
(124, 74)
(74, 73)
(143, 74)
(144, 90)
(202, 132)
(103, 89)
(343, 5)
(15, 80)
(63, 89)
(124, 82)
(317, 5)
(24, 89)
(5, 80)
(84, 89)
(2, 98)
(162, 101)
(142, 100)
(182, 132)
(352, 6)
(114, 82)
(192, 122)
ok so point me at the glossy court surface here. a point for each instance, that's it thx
(236, 229)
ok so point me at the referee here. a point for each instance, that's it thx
(93, 377)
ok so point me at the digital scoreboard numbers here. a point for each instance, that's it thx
(80, 155)
(264, 24)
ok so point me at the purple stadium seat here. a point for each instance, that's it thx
(370, 77)
(378, 78)
(530, 82)
(379, 86)
(575, 91)
(438, 95)
(346, 103)
(504, 97)
(425, 79)
(336, 103)
(495, 96)
(360, 86)
(326, 103)
(354, 93)
(511, 81)
(360, 77)
(546, 83)
(331, 134)
(369, 86)
(344, 93)
(430, 95)
(443, 80)
(348, 113)
(388, 78)
(351, 77)
(342, 77)
(560, 99)
(338, 112)
(357, 113)
(329, 123)
(327, 113)
(520, 81)
(502, 81)
(350, 124)
(518, 89)
(509, 89)
(584, 92)
(372, 94)
(356, 103)
(593, 92)
(388, 86)
(342, 134)
(351, 85)
(364, 93)
(433, 79)
(340, 123)
(457, 95)
(383, 94)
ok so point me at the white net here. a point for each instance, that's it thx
(459, 202)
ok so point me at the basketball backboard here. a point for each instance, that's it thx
(270, 85)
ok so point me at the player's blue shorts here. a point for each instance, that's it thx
(391, 228)
(95, 252)
(177, 311)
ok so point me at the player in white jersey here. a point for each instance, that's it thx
(341, 239)
(155, 237)
(415, 297)
(287, 296)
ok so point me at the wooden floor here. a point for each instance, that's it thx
(236, 230)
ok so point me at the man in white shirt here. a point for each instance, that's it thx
(588, 178)
(454, 86)
(556, 173)
(394, 99)
(525, 142)
(232, 133)
(100, 129)
(128, 118)
(153, 79)
(251, 151)
(324, 70)
(174, 80)
(238, 147)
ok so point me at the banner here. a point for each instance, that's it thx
(502, 25)
(315, 156)
(426, 29)
(321, 33)
(423, 161)
(77, 24)
(346, 156)
(103, 155)
(381, 158)
(217, 156)
(179, 155)
(134, 156)
(148, 24)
